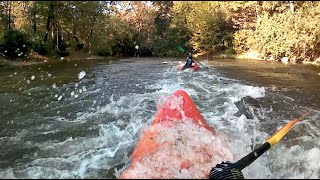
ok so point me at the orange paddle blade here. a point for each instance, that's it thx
(283, 131)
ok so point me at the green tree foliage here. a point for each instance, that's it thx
(162, 21)
(202, 27)
(243, 14)
(122, 37)
(240, 43)
(163, 18)
(176, 32)
(277, 28)
(287, 34)
(211, 29)
(15, 44)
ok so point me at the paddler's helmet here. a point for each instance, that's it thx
(189, 55)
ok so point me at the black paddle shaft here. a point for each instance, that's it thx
(247, 160)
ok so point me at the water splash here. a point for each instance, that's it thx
(104, 124)
(81, 75)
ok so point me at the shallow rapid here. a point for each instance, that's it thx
(82, 119)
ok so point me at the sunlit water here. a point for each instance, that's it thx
(82, 119)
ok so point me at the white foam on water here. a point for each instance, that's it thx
(60, 97)
(116, 107)
(81, 75)
(313, 160)
(51, 132)
(243, 132)
(78, 157)
(168, 86)
(85, 157)
(224, 119)
(94, 156)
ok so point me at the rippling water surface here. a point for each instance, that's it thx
(82, 119)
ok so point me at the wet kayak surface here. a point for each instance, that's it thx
(180, 141)
(82, 119)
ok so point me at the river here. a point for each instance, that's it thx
(81, 119)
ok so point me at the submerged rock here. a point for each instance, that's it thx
(244, 106)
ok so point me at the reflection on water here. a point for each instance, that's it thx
(81, 119)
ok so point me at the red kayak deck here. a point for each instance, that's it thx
(178, 144)
(195, 67)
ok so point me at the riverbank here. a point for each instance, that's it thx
(254, 56)
(38, 59)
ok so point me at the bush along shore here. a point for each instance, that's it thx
(44, 31)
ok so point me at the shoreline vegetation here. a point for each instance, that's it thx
(38, 59)
(33, 32)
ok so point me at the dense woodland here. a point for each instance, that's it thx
(273, 29)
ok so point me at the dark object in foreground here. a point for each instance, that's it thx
(225, 170)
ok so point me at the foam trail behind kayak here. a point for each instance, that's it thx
(178, 144)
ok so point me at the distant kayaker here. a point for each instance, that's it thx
(189, 62)
(225, 170)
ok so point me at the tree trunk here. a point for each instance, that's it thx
(75, 36)
(291, 6)
(34, 26)
(57, 35)
(49, 20)
(9, 3)
(59, 39)
(91, 34)
(53, 29)
(90, 44)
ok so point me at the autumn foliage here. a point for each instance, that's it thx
(274, 29)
